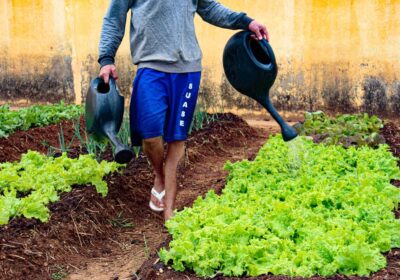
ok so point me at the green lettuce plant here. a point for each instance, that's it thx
(347, 129)
(302, 210)
(28, 186)
(35, 116)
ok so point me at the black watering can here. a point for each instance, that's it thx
(104, 115)
(251, 68)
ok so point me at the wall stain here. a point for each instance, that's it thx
(233, 99)
(375, 100)
(395, 99)
(337, 91)
(52, 83)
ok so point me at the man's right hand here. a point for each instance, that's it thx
(108, 70)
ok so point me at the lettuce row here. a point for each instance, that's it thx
(28, 186)
(347, 129)
(35, 116)
(298, 210)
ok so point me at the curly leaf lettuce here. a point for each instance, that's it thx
(35, 116)
(322, 210)
(28, 186)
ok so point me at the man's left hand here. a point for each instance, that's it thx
(259, 30)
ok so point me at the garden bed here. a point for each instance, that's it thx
(84, 226)
(155, 269)
(90, 237)
(36, 139)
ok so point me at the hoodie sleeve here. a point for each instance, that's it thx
(215, 13)
(113, 30)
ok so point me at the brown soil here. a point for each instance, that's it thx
(90, 237)
(37, 139)
(391, 132)
(154, 269)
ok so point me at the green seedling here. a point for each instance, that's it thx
(121, 222)
(146, 247)
(59, 274)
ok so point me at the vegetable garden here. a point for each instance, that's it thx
(322, 206)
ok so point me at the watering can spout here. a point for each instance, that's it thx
(251, 68)
(288, 132)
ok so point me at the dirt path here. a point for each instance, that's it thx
(207, 173)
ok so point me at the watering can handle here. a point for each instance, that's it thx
(100, 86)
(267, 48)
(99, 80)
(111, 82)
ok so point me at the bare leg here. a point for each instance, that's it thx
(174, 154)
(154, 149)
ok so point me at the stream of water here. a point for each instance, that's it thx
(296, 154)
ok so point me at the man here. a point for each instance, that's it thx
(165, 48)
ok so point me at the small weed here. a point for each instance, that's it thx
(125, 132)
(45, 144)
(121, 222)
(136, 150)
(64, 148)
(86, 141)
(61, 139)
(146, 247)
(201, 118)
(59, 274)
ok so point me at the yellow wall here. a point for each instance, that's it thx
(337, 54)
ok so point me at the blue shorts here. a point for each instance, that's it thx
(162, 104)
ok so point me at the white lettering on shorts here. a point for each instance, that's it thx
(188, 95)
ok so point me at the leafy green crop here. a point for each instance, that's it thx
(347, 130)
(35, 116)
(28, 186)
(313, 210)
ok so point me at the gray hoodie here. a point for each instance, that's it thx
(162, 32)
